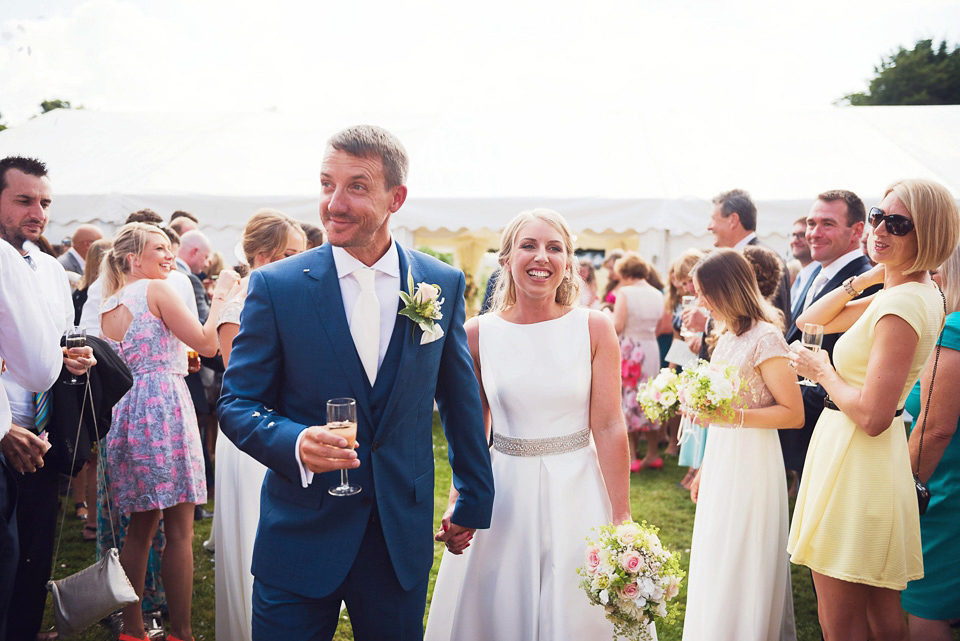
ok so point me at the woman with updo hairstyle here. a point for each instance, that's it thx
(268, 236)
(636, 314)
(739, 586)
(154, 456)
(548, 372)
(856, 522)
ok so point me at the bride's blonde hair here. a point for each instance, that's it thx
(505, 293)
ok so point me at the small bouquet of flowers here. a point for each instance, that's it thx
(632, 576)
(708, 388)
(658, 396)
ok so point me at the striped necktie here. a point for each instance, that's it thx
(41, 400)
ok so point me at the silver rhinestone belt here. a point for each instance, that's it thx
(542, 446)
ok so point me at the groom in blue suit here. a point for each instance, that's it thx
(306, 336)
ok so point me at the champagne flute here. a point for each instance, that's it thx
(75, 337)
(342, 420)
(812, 339)
(687, 302)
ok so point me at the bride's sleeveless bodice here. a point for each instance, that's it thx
(537, 377)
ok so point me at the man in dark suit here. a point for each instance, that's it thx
(326, 324)
(834, 226)
(733, 224)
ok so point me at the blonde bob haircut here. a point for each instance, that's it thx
(505, 293)
(681, 268)
(266, 233)
(728, 282)
(936, 220)
(129, 242)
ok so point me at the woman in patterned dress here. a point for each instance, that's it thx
(153, 449)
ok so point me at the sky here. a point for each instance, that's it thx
(424, 57)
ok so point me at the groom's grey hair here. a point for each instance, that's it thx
(370, 141)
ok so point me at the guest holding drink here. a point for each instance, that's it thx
(269, 236)
(557, 442)
(739, 586)
(153, 449)
(933, 601)
(636, 315)
(856, 523)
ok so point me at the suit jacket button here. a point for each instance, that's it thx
(375, 446)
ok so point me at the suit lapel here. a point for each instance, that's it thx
(850, 269)
(803, 294)
(324, 288)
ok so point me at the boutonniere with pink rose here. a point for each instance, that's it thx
(423, 304)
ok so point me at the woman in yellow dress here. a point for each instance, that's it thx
(856, 521)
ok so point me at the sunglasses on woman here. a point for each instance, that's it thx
(896, 224)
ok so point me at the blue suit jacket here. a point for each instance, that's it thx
(294, 351)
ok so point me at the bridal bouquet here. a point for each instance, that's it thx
(658, 396)
(708, 388)
(628, 572)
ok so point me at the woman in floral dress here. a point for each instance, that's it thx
(153, 449)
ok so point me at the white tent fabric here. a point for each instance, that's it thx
(636, 178)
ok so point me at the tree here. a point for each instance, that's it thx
(2, 126)
(920, 76)
(50, 105)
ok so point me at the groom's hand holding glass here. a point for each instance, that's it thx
(323, 451)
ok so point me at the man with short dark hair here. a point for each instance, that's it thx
(25, 196)
(834, 226)
(800, 251)
(324, 324)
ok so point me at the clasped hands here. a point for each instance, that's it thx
(456, 537)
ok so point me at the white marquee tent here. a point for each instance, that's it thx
(630, 179)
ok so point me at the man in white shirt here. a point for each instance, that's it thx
(30, 350)
(24, 200)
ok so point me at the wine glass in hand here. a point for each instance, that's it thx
(75, 337)
(342, 421)
(812, 339)
(687, 302)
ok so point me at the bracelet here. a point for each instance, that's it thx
(848, 287)
(741, 419)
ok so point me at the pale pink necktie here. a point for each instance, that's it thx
(365, 322)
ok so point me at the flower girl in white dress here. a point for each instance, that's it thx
(549, 373)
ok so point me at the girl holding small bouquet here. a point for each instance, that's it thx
(739, 580)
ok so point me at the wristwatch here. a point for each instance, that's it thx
(848, 287)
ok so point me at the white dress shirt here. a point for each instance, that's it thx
(387, 283)
(744, 241)
(54, 294)
(831, 270)
(90, 314)
(29, 339)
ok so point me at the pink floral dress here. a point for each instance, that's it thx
(639, 351)
(153, 448)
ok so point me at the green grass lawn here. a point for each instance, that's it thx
(655, 497)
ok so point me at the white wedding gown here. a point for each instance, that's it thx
(518, 580)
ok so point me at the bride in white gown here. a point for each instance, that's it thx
(549, 374)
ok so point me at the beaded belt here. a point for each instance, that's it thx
(541, 446)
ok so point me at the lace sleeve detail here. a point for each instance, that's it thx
(770, 344)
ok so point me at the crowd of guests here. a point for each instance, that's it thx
(883, 283)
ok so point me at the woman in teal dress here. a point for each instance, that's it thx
(934, 600)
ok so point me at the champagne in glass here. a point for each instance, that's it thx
(75, 337)
(687, 302)
(812, 339)
(342, 421)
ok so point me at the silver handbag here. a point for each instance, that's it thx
(83, 598)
